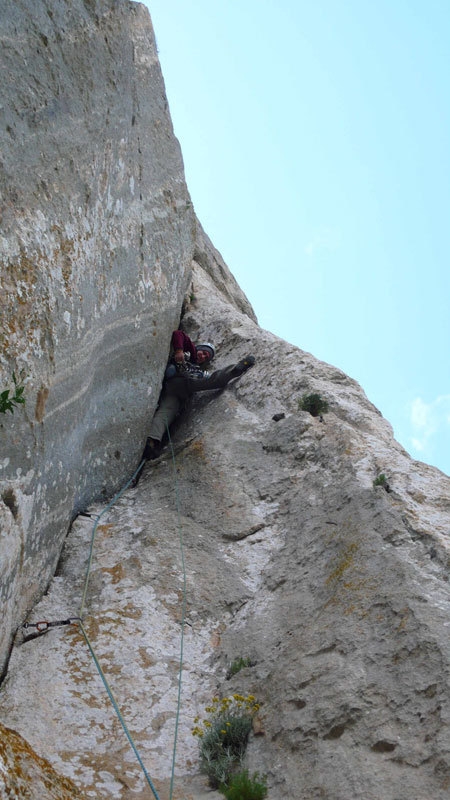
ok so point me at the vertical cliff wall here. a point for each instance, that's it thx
(334, 589)
(96, 242)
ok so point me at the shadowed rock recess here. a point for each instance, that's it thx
(335, 589)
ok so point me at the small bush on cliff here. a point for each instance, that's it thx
(242, 786)
(223, 736)
(238, 664)
(382, 481)
(314, 404)
(8, 401)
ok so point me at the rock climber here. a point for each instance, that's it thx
(186, 374)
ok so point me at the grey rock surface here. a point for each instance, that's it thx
(260, 526)
(335, 589)
(97, 235)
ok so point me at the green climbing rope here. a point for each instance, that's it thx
(94, 531)
(91, 650)
(117, 710)
(183, 617)
(183, 612)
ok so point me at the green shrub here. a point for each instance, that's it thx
(382, 481)
(314, 404)
(242, 786)
(8, 400)
(238, 664)
(223, 736)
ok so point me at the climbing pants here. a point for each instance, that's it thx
(178, 389)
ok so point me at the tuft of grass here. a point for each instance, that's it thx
(314, 404)
(381, 480)
(238, 664)
(243, 786)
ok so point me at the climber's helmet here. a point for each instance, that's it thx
(205, 352)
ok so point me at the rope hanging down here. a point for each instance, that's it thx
(43, 625)
(94, 531)
(183, 611)
(91, 650)
(118, 712)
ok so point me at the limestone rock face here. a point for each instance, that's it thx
(336, 590)
(96, 242)
(259, 533)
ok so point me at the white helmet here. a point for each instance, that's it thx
(209, 347)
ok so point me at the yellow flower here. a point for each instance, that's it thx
(223, 731)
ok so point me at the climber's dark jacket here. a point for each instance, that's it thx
(181, 341)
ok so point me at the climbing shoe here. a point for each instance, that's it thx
(152, 449)
(243, 365)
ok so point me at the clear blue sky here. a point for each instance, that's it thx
(316, 142)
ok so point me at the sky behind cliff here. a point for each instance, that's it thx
(316, 138)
